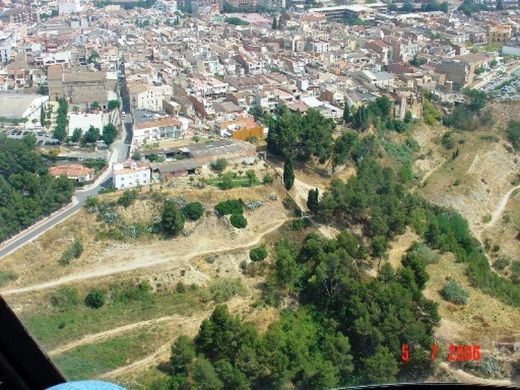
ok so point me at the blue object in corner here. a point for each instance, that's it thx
(86, 385)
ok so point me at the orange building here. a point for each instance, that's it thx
(241, 128)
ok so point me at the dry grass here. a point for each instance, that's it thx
(399, 246)
(505, 231)
(482, 320)
(474, 182)
(37, 262)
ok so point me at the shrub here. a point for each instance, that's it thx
(515, 272)
(238, 221)
(222, 290)
(132, 292)
(300, 223)
(7, 276)
(258, 254)
(453, 292)
(501, 263)
(95, 298)
(193, 210)
(268, 179)
(232, 206)
(73, 251)
(128, 197)
(227, 181)
(64, 298)
(219, 165)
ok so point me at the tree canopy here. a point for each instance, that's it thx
(28, 191)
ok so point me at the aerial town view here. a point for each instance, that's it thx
(259, 194)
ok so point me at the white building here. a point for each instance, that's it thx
(130, 174)
(69, 7)
(149, 97)
(83, 120)
(157, 129)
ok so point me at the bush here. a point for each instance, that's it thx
(232, 206)
(64, 298)
(268, 179)
(219, 165)
(222, 290)
(132, 292)
(515, 272)
(453, 292)
(193, 210)
(95, 298)
(128, 197)
(7, 276)
(501, 263)
(73, 251)
(238, 221)
(300, 223)
(258, 253)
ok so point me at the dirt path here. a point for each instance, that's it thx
(111, 269)
(163, 353)
(429, 173)
(465, 377)
(498, 211)
(93, 338)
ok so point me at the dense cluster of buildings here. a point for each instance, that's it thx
(184, 75)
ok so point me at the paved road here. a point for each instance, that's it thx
(120, 152)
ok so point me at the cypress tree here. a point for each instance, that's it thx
(288, 174)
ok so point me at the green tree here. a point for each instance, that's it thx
(91, 135)
(288, 174)
(346, 113)
(172, 219)
(76, 135)
(513, 133)
(251, 177)
(95, 298)
(204, 376)
(238, 221)
(231, 376)
(408, 117)
(136, 155)
(258, 254)
(42, 116)
(313, 200)
(95, 105)
(275, 23)
(109, 134)
(381, 367)
(29, 140)
(193, 210)
(183, 354)
(113, 105)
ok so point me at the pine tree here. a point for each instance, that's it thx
(346, 113)
(275, 23)
(288, 174)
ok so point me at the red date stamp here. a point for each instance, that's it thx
(456, 353)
